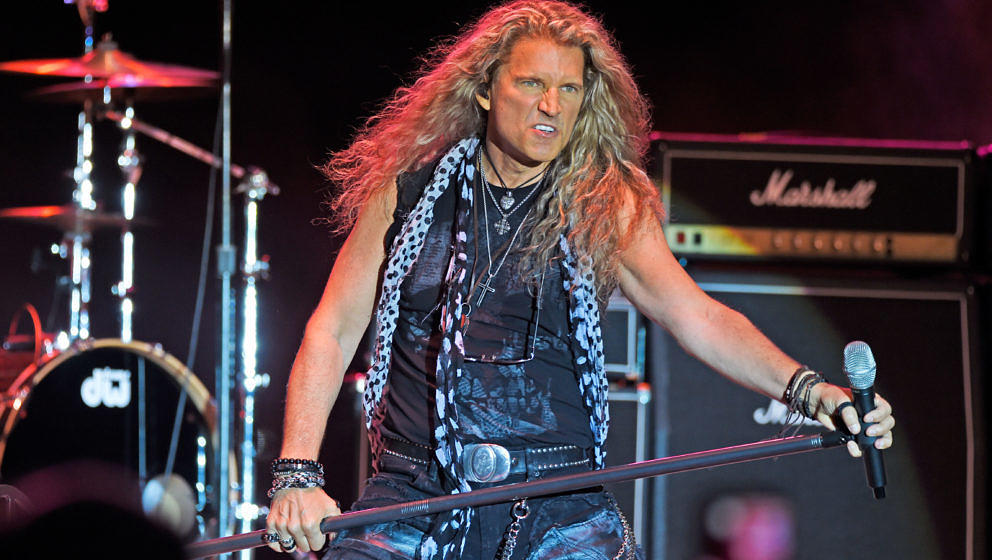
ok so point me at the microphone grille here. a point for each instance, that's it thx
(859, 365)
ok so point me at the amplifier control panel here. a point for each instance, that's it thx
(800, 243)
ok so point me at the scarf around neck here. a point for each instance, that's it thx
(457, 170)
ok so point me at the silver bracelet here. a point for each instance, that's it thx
(284, 481)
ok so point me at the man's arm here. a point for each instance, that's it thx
(329, 342)
(652, 279)
(721, 337)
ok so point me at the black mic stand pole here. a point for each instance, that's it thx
(555, 485)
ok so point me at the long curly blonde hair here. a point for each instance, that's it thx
(599, 175)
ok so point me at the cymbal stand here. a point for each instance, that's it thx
(226, 269)
(75, 244)
(130, 163)
(255, 185)
(253, 269)
(186, 147)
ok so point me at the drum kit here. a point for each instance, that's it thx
(67, 397)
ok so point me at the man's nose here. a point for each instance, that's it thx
(550, 103)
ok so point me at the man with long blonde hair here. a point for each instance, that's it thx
(493, 206)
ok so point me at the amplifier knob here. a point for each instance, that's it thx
(860, 244)
(779, 241)
(878, 244)
(820, 242)
(838, 244)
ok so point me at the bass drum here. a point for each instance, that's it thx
(112, 402)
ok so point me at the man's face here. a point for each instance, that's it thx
(533, 103)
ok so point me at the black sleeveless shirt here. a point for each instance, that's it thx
(517, 405)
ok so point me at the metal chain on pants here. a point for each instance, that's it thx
(519, 511)
(629, 546)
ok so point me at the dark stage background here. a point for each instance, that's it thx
(306, 74)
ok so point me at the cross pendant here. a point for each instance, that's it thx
(502, 226)
(485, 291)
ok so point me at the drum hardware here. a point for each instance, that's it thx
(226, 263)
(252, 177)
(87, 8)
(106, 61)
(70, 219)
(171, 501)
(130, 163)
(113, 68)
(14, 504)
(113, 77)
(255, 185)
(77, 225)
(21, 350)
(77, 242)
(118, 89)
(125, 89)
(79, 403)
(50, 259)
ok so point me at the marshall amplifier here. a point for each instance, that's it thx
(794, 198)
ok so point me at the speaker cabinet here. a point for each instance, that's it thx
(629, 440)
(817, 505)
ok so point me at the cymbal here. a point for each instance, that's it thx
(69, 218)
(105, 61)
(126, 87)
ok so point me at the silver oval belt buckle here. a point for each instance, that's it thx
(485, 462)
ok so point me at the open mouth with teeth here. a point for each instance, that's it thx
(547, 129)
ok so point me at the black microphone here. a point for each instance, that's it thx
(859, 366)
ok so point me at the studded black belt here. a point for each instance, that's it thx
(490, 462)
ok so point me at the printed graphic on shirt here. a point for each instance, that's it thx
(502, 402)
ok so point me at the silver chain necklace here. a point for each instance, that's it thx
(505, 205)
(490, 272)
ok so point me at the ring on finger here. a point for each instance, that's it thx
(271, 537)
(842, 406)
(287, 544)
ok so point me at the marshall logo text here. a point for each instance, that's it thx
(778, 193)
